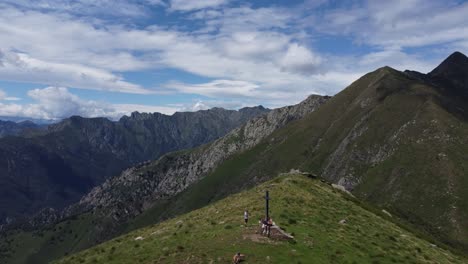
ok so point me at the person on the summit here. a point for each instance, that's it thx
(238, 257)
(269, 224)
(264, 223)
(246, 216)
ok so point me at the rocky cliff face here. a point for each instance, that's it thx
(136, 189)
(56, 166)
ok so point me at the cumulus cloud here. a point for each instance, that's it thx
(57, 103)
(299, 59)
(199, 106)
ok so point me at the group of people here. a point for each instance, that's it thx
(266, 223)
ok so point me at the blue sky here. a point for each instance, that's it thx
(109, 58)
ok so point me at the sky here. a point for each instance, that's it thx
(109, 58)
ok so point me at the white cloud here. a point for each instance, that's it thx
(299, 59)
(21, 67)
(189, 5)
(199, 106)
(57, 103)
(3, 96)
(9, 98)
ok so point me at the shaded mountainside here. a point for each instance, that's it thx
(55, 167)
(332, 228)
(112, 206)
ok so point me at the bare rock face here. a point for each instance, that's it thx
(46, 216)
(136, 189)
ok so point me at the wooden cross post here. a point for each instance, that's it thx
(267, 206)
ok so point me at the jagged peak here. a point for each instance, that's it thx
(457, 57)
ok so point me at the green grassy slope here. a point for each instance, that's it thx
(308, 209)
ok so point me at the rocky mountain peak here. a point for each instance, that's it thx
(452, 73)
(455, 65)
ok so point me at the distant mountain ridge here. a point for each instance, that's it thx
(38, 121)
(56, 166)
(10, 128)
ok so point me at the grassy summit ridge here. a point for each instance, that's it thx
(308, 209)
